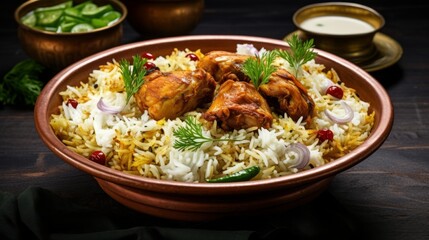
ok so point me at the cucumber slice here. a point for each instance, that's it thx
(111, 15)
(99, 23)
(72, 12)
(66, 26)
(49, 29)
(89, 7)
(80, 6)
(29, 19)
(82, 27)
(49, 18)
(55, 7)
(69, 19)
(97, 11)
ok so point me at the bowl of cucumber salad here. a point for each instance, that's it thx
(60, 32)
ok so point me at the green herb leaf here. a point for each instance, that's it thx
(259, 69)
(22, 84)
(133, 75)
(190, 137)
(300, 52)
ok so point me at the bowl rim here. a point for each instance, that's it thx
(17, 13)
(372, 143)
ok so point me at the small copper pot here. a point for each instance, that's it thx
(164, 18)
(356, 48)
(58, 50)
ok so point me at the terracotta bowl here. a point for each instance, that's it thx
(58, 50)
(206, 201)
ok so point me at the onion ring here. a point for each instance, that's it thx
(348, 116)
(302, 152)
(106, 108)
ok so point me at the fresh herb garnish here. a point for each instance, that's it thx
(190, 137)
(300, 52)
(133, 76)
(21, 84)
(260, 68)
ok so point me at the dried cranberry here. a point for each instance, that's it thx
(192, 56)
(325, 134)
(335, 91)
(147, 55)
(72, 102)
(98, 157)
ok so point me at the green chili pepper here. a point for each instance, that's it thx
(243, 175)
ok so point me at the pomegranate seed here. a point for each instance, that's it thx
(98, 157)
(73, 103)
(192, 56)
(335, 91)
(147, 55)
(325, 134)
(150, 66)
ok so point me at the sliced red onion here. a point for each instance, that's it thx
(302, 154)
(348, 116)
(253, 51)
(106, 108)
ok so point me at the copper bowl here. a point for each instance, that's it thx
(58, 50)
(207, 201)
(355, 47)
(164, 18)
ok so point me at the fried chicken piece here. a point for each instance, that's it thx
(223, 65)
(238, 105)
(170, 95)
(288, 95)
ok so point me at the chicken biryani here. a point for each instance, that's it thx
(198, 117)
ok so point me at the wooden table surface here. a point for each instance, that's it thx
(388, 192)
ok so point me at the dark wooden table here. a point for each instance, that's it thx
(388, 192)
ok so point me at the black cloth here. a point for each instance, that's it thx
(37, 213)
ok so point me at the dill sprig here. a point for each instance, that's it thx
(191, 137)
(300, 52)
(260, 68)
(133, 76)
